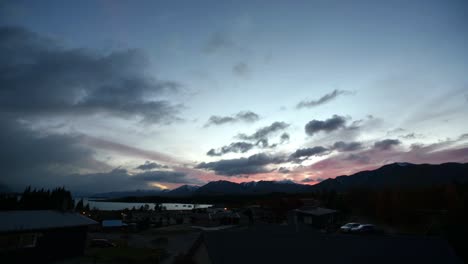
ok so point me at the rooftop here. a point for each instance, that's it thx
(317, 211)
(11, 221)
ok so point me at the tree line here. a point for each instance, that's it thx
(41, 199)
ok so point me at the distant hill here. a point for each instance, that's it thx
(399, 175)
(392, 175)
(249, 188)
(136, 193)
(182, 191)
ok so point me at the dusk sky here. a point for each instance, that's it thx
(123, 95)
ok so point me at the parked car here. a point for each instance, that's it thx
(347, 227)
(101, 243)
(364, 228)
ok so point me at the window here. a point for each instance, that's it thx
(27, 241)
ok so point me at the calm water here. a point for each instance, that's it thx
(120, 206)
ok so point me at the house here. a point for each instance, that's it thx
(318, 217)
(281, 244)
(113, 224)
(42, 235)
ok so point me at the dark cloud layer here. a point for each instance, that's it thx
(164, 176)
(265, 132)
(243, 116)
(27, 156)
(40, 77)
(322, 100)
(386, 144)
(334, 123)
(347, 146)
(121, 179)
(308, 152)
(243, 166)
(151, 166)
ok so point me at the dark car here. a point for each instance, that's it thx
(101, 243)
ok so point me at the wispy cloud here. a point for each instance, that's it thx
(322, 100)
(265, 132)
(243, 116)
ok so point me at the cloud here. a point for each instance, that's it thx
(39, 159)
(102, 144)
(411, 136)
(236, 147)
(305, 153)
(334, 123)
(307, 180)
(264, 132)
(40, 77)
(242, 147)
(359, 158)
(151, 165)
(31, 157)
(347, 146)
(310, 179)
(120, 179)
(243, 116)
(386, 144)
(284, 138)
(284, 170)
(241, 69)
(464, 136)
(322, 100)
(243, 166)
(219, 41)
(164, 176)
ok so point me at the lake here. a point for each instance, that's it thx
(101, 205)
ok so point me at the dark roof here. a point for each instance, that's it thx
(11, 221)
(265, 246)
(113, 223)
(317, 211)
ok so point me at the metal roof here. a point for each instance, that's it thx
(317, 211)
(11, 221)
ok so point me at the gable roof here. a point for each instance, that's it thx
(317, 211)
(11, 221)
(249, 246)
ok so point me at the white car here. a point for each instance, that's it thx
(348, 227)
(365, 228)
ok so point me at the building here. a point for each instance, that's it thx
(318, 217)
(282, 244)
(113, 224)
(41, 236)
